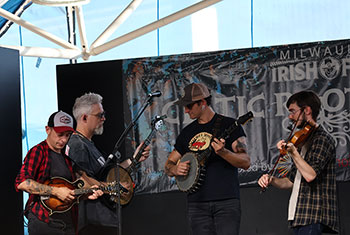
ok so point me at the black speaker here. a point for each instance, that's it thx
(104, 78)
(11, 141)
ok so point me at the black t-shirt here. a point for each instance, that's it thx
(221, 178)
(59, 168)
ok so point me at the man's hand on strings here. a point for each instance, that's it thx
(182, 168)
(218, 145)
(280, 144)
(289, 147)
(145, 153)
(96, 193)
(63, 193)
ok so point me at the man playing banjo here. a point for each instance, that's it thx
(213, 206)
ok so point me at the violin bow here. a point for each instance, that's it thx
(273, 170)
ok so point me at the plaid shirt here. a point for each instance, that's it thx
(37, 166)
(317, 200)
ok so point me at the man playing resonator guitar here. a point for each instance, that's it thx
(214, 206)
(95, 217)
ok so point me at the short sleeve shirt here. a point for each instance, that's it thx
(221, 178)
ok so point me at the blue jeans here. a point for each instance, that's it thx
(311, 229)
(215, 217)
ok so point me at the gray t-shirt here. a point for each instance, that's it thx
(87, 157)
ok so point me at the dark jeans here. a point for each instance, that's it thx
(311, 229)
(215, 217)
(54, 227)
(98, 230)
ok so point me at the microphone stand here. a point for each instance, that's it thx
(117, 155)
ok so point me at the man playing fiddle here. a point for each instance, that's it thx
(312, 178)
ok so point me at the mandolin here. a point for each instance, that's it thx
(55, 205)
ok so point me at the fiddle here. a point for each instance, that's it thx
(298, 139)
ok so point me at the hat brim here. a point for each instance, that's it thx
(183, 102)
(60, 129)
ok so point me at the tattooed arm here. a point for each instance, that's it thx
(33, 187)
(239, 157)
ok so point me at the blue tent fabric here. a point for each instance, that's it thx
(16, 7)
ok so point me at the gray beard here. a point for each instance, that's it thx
(98, 131)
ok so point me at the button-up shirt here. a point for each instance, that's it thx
(317, 200)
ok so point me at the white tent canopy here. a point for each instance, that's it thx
(100, 45)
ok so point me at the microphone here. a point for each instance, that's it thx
(155, 94)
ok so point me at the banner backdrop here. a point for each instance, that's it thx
(258, 80)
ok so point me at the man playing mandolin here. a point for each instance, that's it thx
(44, 161)
(313, 202)
(213, 206)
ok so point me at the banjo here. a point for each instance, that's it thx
(192, 181)
(125, 173)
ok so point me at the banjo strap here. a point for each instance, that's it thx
(217, 125)
(203, 157)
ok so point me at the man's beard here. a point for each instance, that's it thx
(302, 122)
(98, 130)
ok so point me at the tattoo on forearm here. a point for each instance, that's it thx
(169, 165)
(37, 188)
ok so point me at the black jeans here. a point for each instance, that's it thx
(98, 230)
(215, 217)
(54, 227)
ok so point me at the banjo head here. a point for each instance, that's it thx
(185, 183)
